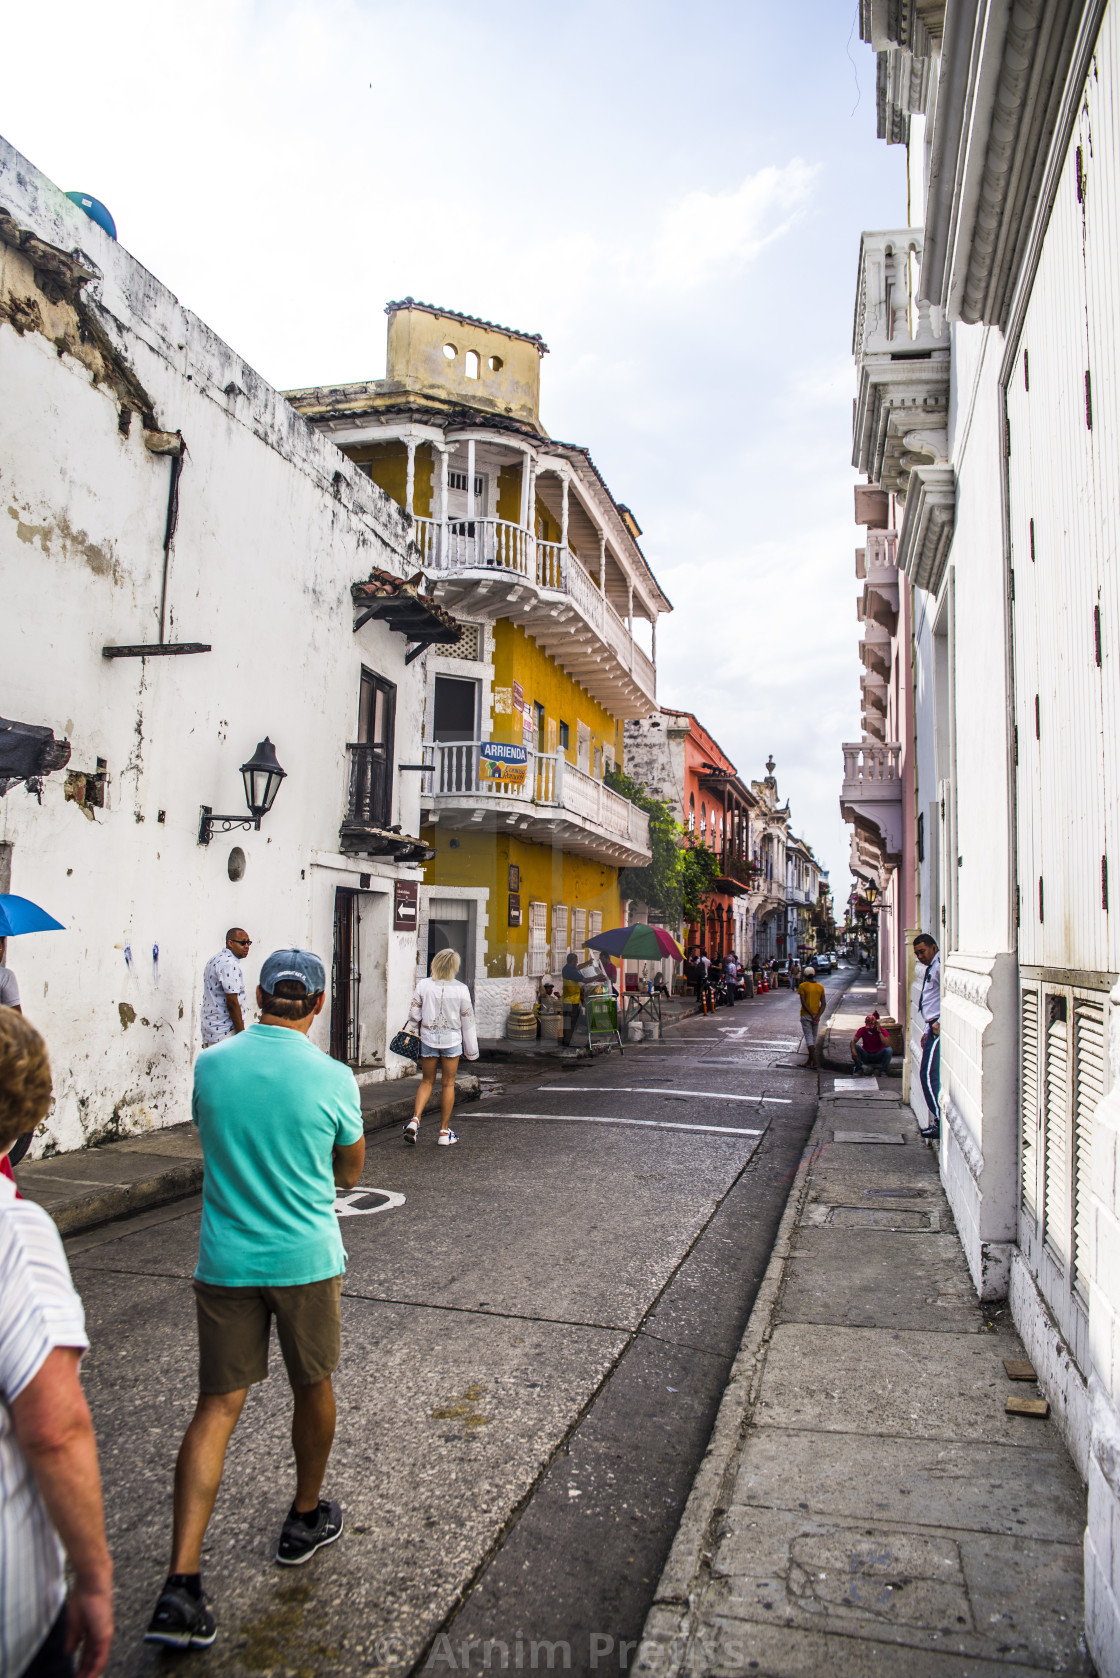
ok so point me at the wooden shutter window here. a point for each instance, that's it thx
(1028, 1086)
(1089, 1064)
(1056, 1194)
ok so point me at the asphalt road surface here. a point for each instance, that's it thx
(536, 1338)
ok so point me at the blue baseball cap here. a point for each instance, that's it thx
(301, 965)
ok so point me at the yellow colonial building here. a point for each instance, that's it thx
(518, 536)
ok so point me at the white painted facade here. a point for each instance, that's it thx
(274, 526)
(1009, 546)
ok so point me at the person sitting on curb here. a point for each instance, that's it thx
(871, 1050)
(812, 1007)
(51, 1485)
(281, 1129)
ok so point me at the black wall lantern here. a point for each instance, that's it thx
(262, 776)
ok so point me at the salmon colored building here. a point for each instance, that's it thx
(676, 758)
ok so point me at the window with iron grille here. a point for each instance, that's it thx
(560, 931)
(594, 923)
(579, 930)
(458, 480)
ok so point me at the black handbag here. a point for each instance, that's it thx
(406, 1044)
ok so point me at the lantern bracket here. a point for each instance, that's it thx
(209, 824)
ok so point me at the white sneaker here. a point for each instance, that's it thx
(412, 1130)
(447, 1138)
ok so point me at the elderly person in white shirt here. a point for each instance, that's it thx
(50, 1487)
(441, 1006)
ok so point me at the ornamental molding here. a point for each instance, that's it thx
(969, 987)
(928, 522)
(962, 1135)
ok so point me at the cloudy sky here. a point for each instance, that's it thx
(672, 195)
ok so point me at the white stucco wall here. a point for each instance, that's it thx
(274, 527)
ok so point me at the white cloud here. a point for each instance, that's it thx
(708, 235)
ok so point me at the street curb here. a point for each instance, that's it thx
(668, 1626)
(179, 1181)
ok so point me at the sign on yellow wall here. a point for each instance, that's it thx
(499, 762)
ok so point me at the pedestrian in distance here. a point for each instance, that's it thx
(442, 1008)
(571, 993)
(50, 1484)
(9, 998)
(280, 1124)
(9, 985)
(929, 1006)
(731, 972)
(812, 1007)
(870, 1048)
(224, 1003)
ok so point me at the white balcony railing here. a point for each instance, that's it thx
(474, 544)
(551, 783)
(495, 545)
(871, 769)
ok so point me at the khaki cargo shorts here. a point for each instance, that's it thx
(234, 1325)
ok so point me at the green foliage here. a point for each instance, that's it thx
(700, 869)
(660, 883)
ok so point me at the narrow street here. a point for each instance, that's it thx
(535, 1343)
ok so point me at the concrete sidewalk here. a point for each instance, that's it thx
(867, 1505)
(92, 1186)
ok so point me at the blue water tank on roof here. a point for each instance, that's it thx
(95, 210)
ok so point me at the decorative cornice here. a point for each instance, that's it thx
(1002, 82)
(927, 525)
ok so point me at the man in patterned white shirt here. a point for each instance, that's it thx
(50, 1486)
(224, 1002)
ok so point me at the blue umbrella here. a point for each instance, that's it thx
(19, 914)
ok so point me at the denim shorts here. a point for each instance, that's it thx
(453, 1052)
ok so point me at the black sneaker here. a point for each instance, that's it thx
(182, 1621)
(299, 1542)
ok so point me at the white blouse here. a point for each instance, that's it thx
(444, 1012)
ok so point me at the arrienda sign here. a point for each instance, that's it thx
(499, 762)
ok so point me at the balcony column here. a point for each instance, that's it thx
(564, 511)
(470, 480)
(526, 475)
(630, 619)
(602, 562)
(410, 476)
(653, 639)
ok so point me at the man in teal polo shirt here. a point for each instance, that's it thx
(281, 1129)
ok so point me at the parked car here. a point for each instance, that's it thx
(822, 963)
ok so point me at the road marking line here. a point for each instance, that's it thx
(651, 1089)
(651, 1124)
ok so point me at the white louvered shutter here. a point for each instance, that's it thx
(1088, 1090)
(1056, 1200)
(1028, 1086)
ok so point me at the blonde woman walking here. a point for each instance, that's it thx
(441, 1006)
